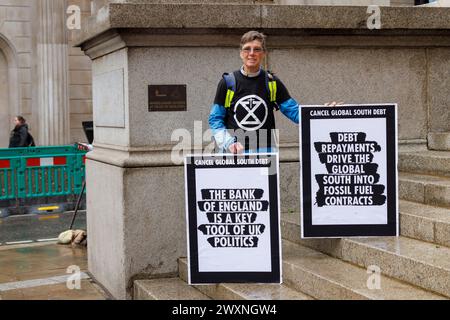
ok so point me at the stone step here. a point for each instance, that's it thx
(324, 277)
(423, 264)
(424, 222)
(427, 189)
(166, 289)
(420, 263)
(418, 221)
(428, 162)
(243, 291)
(439, 141)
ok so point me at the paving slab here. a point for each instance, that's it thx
(42, 271)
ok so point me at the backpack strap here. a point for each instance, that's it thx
(271, 86)
(230, 81)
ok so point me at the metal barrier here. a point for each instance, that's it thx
(41, 172)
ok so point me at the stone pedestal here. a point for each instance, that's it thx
(52, 69)
(336, 2)
(135, 201)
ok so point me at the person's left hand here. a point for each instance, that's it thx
(333, 104)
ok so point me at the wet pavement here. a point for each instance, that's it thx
(37, 227)
(46, 271)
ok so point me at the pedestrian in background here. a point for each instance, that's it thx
(20, 136)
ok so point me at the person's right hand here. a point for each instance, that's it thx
(236, 148)
(333, 104)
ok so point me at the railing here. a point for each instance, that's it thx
(41, 172)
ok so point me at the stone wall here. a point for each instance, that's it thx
(20, 64)
(335, 2)
(402, 2)
(16, 40)
(100, 3)
(80, 80)
(349, 2)
(24, 62)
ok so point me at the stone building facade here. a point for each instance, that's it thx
(48, 81)
(42, 77)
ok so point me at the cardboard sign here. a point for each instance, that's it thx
(349, 171)
(233, 220)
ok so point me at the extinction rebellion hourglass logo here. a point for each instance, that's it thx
(352, 175)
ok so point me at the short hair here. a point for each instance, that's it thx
(254, 35)
(21, 119)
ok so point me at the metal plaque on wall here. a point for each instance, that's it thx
(167, 98)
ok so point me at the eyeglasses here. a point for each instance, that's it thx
(255, 50)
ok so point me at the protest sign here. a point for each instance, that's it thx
(233, 221)
(349, 171)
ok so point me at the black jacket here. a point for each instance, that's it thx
(19, 137)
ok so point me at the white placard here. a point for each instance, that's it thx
(349, 171)
(233, 218)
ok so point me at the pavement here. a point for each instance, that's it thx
(32, 228)
(34, 267)
(46, 271)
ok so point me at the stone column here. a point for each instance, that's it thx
(52, 70)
